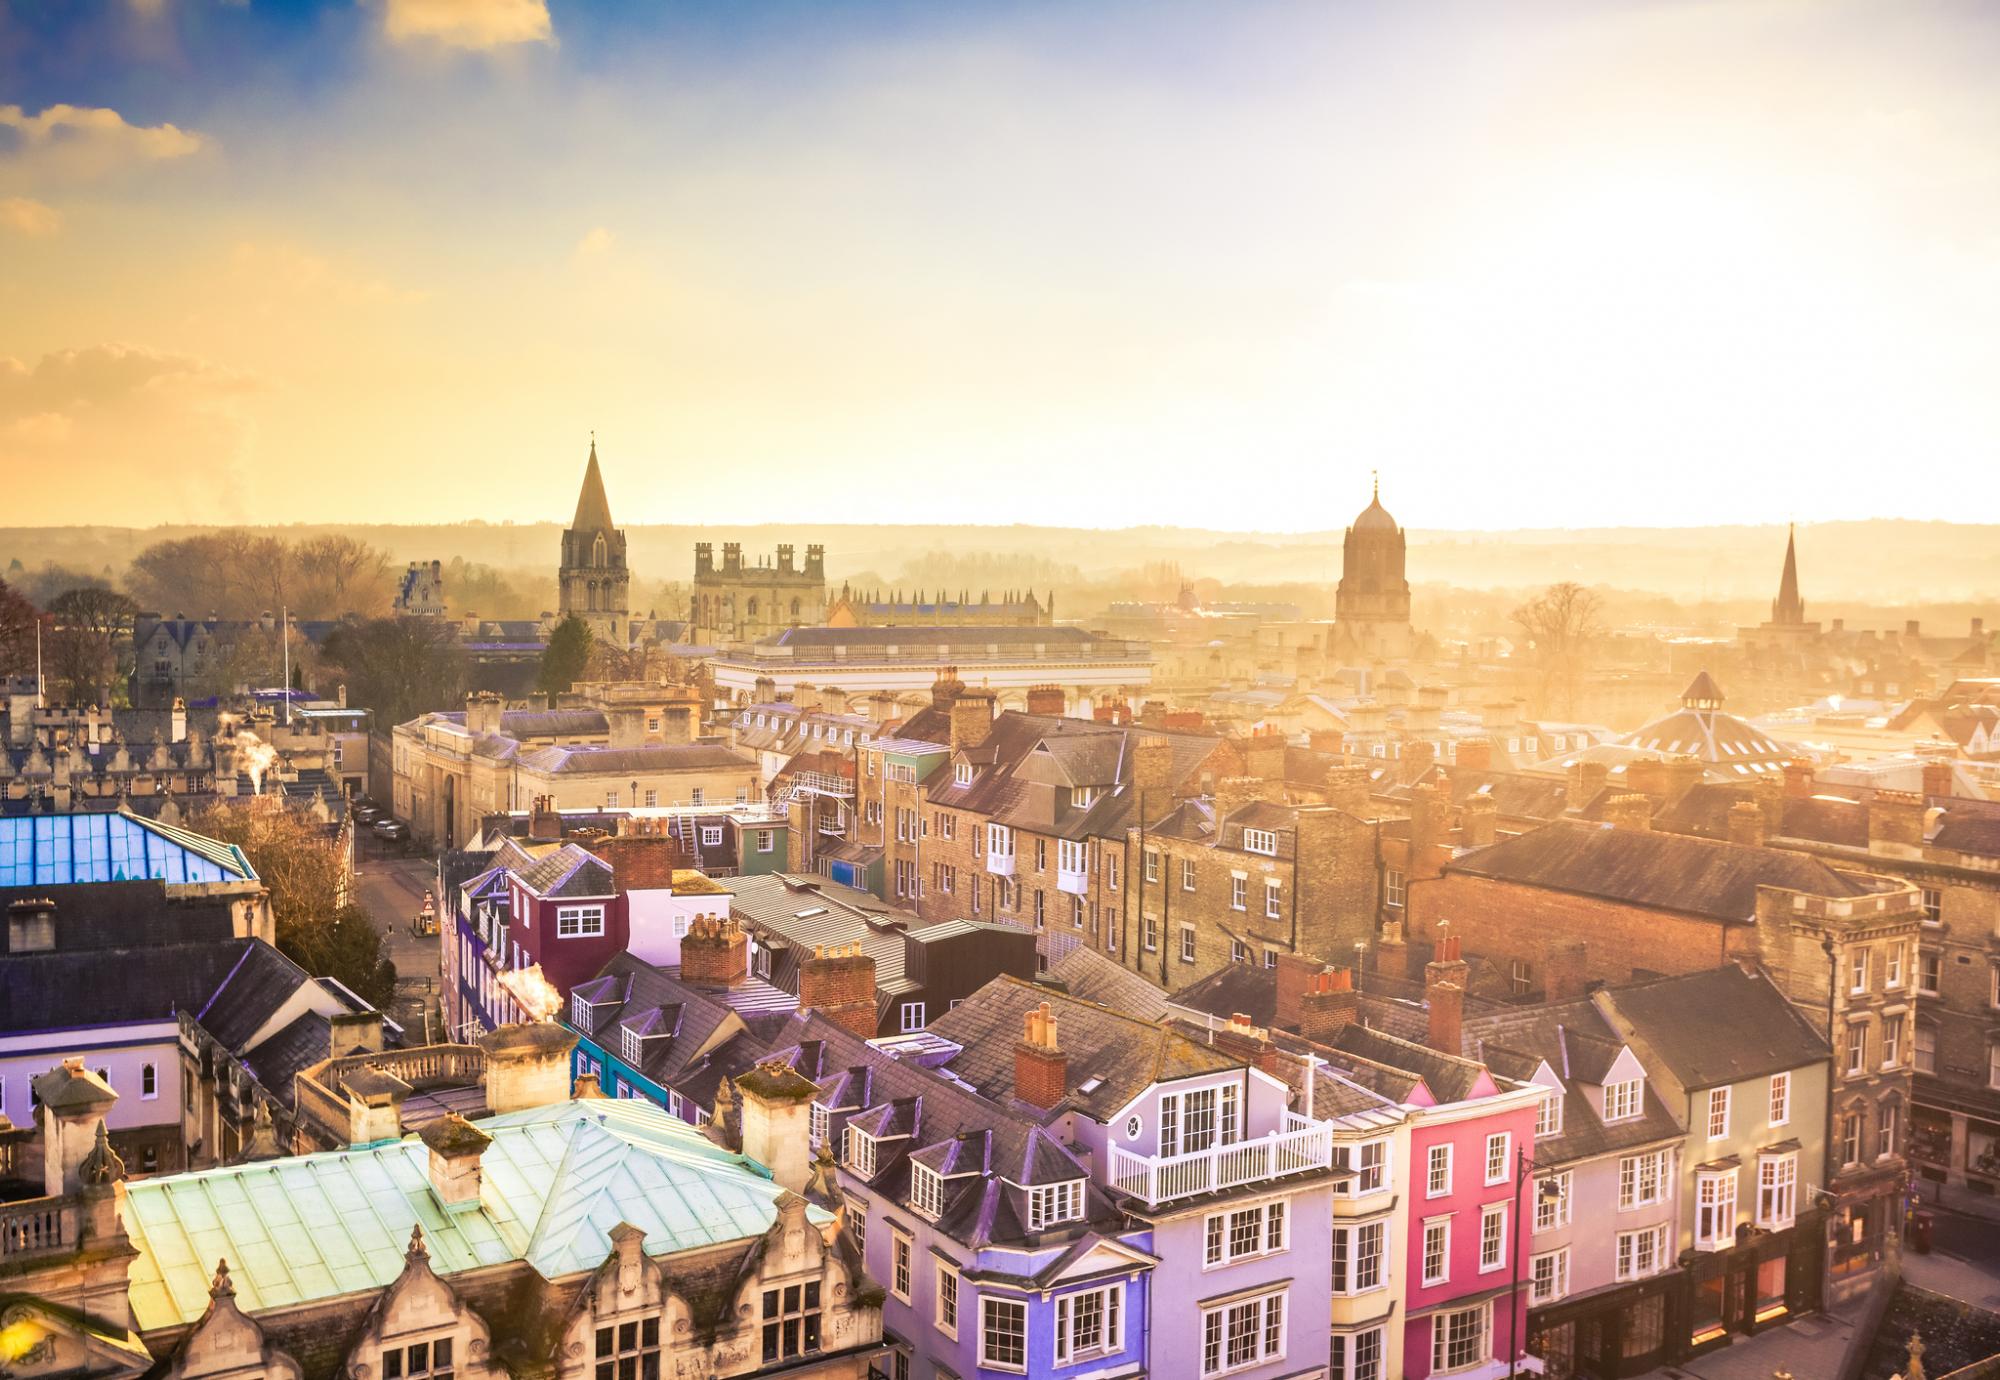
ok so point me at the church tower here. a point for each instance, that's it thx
(1788, 610)
(595, 584)
(1371, 607)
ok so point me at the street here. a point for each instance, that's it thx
(392, 888)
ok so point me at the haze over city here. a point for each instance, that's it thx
(801, 262)
(961, 691)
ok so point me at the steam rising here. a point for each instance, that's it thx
(538, 998)
(254, 754)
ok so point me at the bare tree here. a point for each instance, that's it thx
(17, 633)
(397, 667)
(338, 575)
(1562, 625)
(87, 652)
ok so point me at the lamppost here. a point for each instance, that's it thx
(1549, 1192)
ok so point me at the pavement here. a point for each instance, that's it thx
(1811, 1348)
(1964, 1261)
(392, 887)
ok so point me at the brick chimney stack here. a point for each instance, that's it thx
(1896, 823)
(1328, 1006)
(1798, 780)
(1294, 977)
(1632, 811)
(1565, 972)
(714, 952)
(1153, 768)
(1047, 699)
(839, 983)
(1427, 811)
(1444, 992)
(971, 719)
(1041, 1069)
(1475, 754)
(1479, 822)
(1746, 823)
(1937, 777)
(1586, 782)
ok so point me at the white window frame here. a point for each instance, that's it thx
(1634, 1174)
(1503, 1143)
(1274, 899)
(1347, 1361)
(926, 1191)
(1479, 1344)
(1551, 1214)
(575, 918)
(1187, 874)
(988, 1305)
(1187, 943)
(1267, 1310)
(1369, 1163)
(1718, 1113)
(1052, 1204)
(1394, 887)
(1715, 1209)
(946, 1292)
(902, 1263)
(1781, 1099)
(1239, 893)
(1437, 1171)
(819, 1119)
(1260, 841)
(1641, 1253)
(1549, 1116)
(1624, 1100)
(1441, 1227)
(1361, 1254)
(860, 1156)
(1493, 1240)
(1553, 1285)
(911, 1014)
(1777, 1190)
(1066, 1345)
(1268, 1226)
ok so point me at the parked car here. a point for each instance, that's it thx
(367, 814)
(390, 831)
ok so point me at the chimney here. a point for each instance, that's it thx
(1041, 1069)
(1328, 1006)
(1444, 992)
(1264, 756)
(1250, 1043)
(1646, 775)
(527, 1065)
(1746, 823)
(355, 1032)
(1912, 628)
(714, 952)
(1419, 756)
(1294, 977)
(882, 707)
(1565, 972)
(776, 1109)
(946, 688)
(1232, 793)
(455, 1146)
(1426, 829)
(1347, 789)
(178, 722)
(544, 823)
(1798, 780)
(73, 1104)
(1047, 699)
(1153, 768)
(1478, 821)
(1978, 629)
(482, 712)
(1474, 754)
(627, 726)
(1896, 823)
(1937, 778)
(839, 983)
(1586, 783)
(374, 1105)
(971, 719)
(1683, 773)
(1629, 811)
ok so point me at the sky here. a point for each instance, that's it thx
(1097, 264)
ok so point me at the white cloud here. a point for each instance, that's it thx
(86, 141)
(271, 269)
(594, 245)
(25, 216)
(469, 23)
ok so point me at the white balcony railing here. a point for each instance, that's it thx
(1300, 1146)
(1000, 864)
(1076, 883)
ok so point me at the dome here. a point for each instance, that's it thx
(1375, 518)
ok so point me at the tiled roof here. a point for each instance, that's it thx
(1579, 1046)
(106, 915)
(40, 991)
(1086, 973)
(592, 761)
(1644, 867)
(567, 872)
(1124, 1054)
(1763, 1033)
(556, 1180)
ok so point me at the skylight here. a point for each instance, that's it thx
(808, 913)
(1090, 1085)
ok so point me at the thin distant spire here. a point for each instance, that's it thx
(1377, 476)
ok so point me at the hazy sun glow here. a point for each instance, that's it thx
(997, 263)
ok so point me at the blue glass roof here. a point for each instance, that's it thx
(50, 850)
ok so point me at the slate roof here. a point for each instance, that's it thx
(1084, 972)
(568, 871)
(679, 1020)
(1027, 758)
(776, 904)
(591, 760)
(1579, 1046)
(109, 915)
(1965, 833)
(42, 991)
(256, 985)
(556, 1180)
(1124, 1054)
(1515, 795)
(1764, 1032)
(1645, 867)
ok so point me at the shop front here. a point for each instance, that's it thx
(1609, 1333)
(1766, 1278)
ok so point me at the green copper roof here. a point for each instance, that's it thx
(556, 1180)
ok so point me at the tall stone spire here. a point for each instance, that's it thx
(593, 581)
(1788, 610)
(593, 509)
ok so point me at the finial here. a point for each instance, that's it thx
(1377, 475)
(418, 1250)
(221, 1288)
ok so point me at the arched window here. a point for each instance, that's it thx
(597, 552)
(592, 604)
(752, 607)
(795, 608)
(149, 1081)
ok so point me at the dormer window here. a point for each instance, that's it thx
(1622, 1101)
(1083, 797)
(582, 1012)
(861, 1152)
(1053, 1203)
(1260, 841)
(633, 1046)
(1549, 1116)
(926, 1191)
(961, 774)
(818, 1121)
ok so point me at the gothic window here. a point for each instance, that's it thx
(795, 608)
(592, 605)
(597, 552)
(751, 609)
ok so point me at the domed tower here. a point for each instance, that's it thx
(595, 584)
(1371, 608)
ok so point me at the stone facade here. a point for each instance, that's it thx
(594, 583)
(734, 602)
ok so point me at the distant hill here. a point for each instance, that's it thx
(1877, 563)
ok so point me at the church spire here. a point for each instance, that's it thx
(1788, 610)
(593, 509)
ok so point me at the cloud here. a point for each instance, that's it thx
(283, 269)
(594, 245)
(87, 141)
(28, 217)
(140, 426)
(468, 23)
